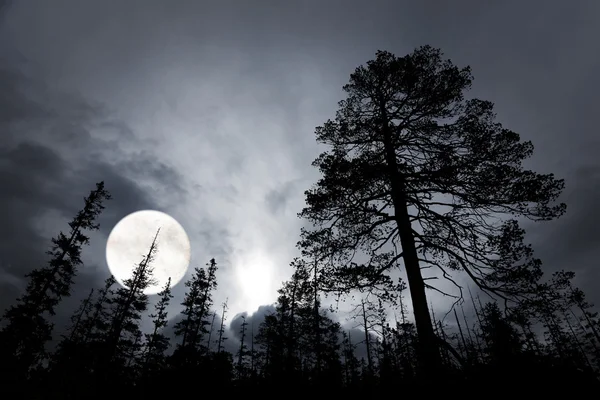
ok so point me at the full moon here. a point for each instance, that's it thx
(131, 238)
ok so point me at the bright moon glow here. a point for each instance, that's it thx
(130, 240)
(254, 275)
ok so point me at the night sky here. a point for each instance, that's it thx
(206, 111)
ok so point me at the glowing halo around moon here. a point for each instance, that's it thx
(130, 240)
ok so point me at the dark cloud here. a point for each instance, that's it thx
(572, 242)
(278, 200)
(4, 5)
(49, 161)
(253, 320)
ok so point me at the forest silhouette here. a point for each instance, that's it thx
(415, 175)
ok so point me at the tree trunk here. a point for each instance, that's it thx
(427, 349)
(212, 323)
(317, 325)
(84, 310)
(462, 337)
(367, 339)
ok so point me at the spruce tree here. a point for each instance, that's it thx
(122, 340)
(241, 367)
(97, 322)
(350, 362)
(27, 326)
(271, 341)
(503, 343)
(67, 347)
(75, 359)
(197, 302)
(65, 369)
(219, 367)
(222, 338)
(156, 342)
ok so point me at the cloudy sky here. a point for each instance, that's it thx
(206, 110)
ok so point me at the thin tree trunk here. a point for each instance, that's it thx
(252, 355)
(241, 353)
(462, 337)
(222, 329)
(84, 309)
(590, 323)
(212, 323)
(444, 338)
(367, 339)
(578, 343)
(317, 326)
(462, 310)
(117, 325)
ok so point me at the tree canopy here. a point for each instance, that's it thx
(417, 173)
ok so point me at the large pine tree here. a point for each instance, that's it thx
(413, 163)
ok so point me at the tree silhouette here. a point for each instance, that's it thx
(66, 362)
(221, 339)
(241, 366)
(350, 362)
(122, 342)
(270, 340)
(197, 304)
(72, 364)
(503, 343)
(156, 342)
(27, 328)
(412, 162)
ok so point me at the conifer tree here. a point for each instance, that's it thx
(65, 362)
(350, 362)
(68, 345)
(327, 368)
(299, 342)
(98, 320)
(241, 366)
(122, 340)
(206, 302)
(294, 306)
(210, 331)
(221, 339)
(197, 302)
(78, 323)
(365, 313)
(253, 354)
(78, 355)
(219, 366)
(27, 328)
(271, 342)
(156, 342)
(412, 162)
(503, 343)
